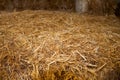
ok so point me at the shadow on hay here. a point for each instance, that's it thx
(113, 74)
(56, 75)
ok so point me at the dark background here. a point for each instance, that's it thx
(100, 7)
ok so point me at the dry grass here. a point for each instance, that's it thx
(44, 45)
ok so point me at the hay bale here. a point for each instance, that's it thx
(44, 45)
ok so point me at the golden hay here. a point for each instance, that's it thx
(44, 45)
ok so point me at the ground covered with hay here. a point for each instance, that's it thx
(53, 45)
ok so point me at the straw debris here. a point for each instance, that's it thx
(53, 45)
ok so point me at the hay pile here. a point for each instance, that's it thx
(44, 45)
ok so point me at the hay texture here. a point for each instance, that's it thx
(49, 45)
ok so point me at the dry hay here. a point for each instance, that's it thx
(44, 45)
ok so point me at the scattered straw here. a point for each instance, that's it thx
(49, 45)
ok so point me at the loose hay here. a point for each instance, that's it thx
(44, 45)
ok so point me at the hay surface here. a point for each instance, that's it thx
(44, 45)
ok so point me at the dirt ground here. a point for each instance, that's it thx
(53, 45)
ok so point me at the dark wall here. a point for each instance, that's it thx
(101, 7)
(11, 5)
